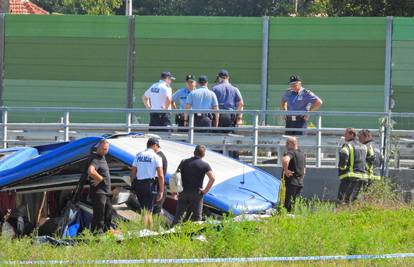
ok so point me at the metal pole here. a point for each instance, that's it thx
(66, 126)
(265, 65)
(4, 120)
(128, 7)
(128, 121)
(319, 142)
(130, 62)
(387, 93)
(2, 41)
(191, 130)
(255, 137)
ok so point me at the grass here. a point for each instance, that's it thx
(314, 230)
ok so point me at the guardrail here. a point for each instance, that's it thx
(255, 127)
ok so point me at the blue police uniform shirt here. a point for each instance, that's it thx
(202, 98)
(300, 101)
(181, 95)
(227, 95)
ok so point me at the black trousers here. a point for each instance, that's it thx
(102, 212)
(160, 119)
(189, 207)
(292, 192)
(203, 120)
(349, 189)
(295, 122)
(227, 120)
(146, 191)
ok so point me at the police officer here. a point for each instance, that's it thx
(181, 95)
(351, 167)
(297, 98)
(229, 98)
(159, 96)
(100, 190)
(147, 178)
(374, 155)
(202, 98)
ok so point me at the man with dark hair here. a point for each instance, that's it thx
(297, 98)
(190, 201)
(100, 190)
(294, 169)
(181, 96)
(229, 98)
(158, 96)
(202, 98)
(351, 167)
(147, 179)
(374, 155)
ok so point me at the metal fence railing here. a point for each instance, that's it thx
(252, 128)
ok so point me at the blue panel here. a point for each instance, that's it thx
(16, 156)
(61, 156)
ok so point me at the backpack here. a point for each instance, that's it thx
(176, 183)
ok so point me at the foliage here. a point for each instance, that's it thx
(91, 7)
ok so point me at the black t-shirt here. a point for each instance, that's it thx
(101, 166)
(193, 171)
(164, 162)
(297, 165)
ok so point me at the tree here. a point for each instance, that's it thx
(91, 7)
(99, 7)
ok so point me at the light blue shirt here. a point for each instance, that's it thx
(181, 95)
(202, 98)
(299, 101)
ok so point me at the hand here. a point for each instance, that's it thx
(175, 196)
(289, 173)
(306, 117)
(239, 121)
(203, 191)
(185, 123)
(95, 182)
(159, 196)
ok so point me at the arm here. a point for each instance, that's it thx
(211, 179)
(96, 177)
(240, 107)
(343, 158)
(187, 106)
(216, 122)
(168, 102)
(133, 174)
(283, 104)
(316, 105)
(146, 101)
(160, 177)
(285, 164)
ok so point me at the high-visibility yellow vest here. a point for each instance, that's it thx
(352, 160)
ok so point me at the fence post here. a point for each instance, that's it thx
(191, 130)
(319, 142)
(255, 137)
(130, 62)
(2, 42)
(128, 121)
(387, 94)
(4, 121)
(66, 126)
(265, 60)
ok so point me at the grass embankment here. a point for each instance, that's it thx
(360, 229)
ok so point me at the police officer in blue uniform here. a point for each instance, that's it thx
(202, 98)
(181, 96)
(297, 98)
(229, 98)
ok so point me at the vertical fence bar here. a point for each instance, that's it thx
(387, 93)
(265, 60)
(191, 130)
(255, 137)
(2, 43)
(66, 126)
(128, 121)
(128, 7)
(130, 62)
(4, 121)
(319, 142)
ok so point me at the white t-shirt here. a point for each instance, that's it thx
(146, 163)
(158, 94)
